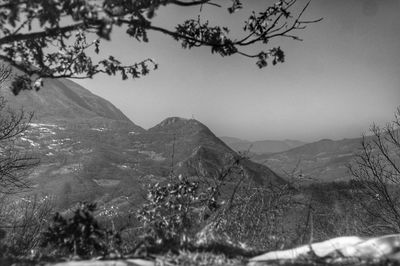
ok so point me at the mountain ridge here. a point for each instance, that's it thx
(91, 150)
(321, 161)
(66, 101)
(261, 146)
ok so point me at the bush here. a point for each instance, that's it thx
(80, 234)
(23, 222)
(257, 217)
(175, 211)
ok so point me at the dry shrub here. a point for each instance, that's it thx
(23, 220)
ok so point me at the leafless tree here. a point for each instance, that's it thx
(23, 220)
(377, 173)
(5, 73)
(13, 160)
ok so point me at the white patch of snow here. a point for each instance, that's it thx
(101, 129)
(41, 125)
(376, 247)
(31, 142)
(344, 247)
(321, 249)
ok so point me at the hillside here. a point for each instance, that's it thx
(90, 150)
(197, 151)
(261, 146)
(64, 101)
(321, 161)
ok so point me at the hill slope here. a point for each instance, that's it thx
(65, 101)
(261, 146)
(321, 161)
(90, 150)
(193, 149)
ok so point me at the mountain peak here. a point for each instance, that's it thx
(178, 123)
(175, 119)
(87, 144)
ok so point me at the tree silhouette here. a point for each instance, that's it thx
(377, 174)
(60, 48)
(13, 162)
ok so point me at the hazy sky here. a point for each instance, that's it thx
(334, 84)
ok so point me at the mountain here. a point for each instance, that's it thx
(261, 146)
(322, 161)
(78, 136)
(90, 150)
(197, 151)
(64, 101)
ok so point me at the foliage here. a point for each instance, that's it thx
(80, 234)
(232, 209)
(62, 47)
(330, 211)
(256, 217)
(173, 209)
(377, 171)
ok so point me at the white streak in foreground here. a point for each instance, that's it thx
(343, 247)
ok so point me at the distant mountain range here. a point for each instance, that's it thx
(261, 146)
(322, 161)
(90, 150)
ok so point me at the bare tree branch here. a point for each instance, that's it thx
(377, 170)
(67, 24)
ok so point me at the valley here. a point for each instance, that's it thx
(89, 150)
(321, 161)
(199, 132)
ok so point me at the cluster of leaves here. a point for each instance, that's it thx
(60, 47)
(194, 33)
(277, 55)
(80, 234)
(174, 209)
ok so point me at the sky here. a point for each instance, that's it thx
(343, 76)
